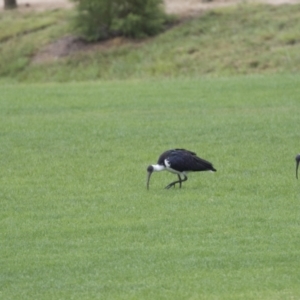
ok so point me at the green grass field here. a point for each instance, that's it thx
(77, 221)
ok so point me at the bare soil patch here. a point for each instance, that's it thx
(71, 44)
(41, 5)
(187, 8)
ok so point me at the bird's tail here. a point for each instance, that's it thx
(202, 165)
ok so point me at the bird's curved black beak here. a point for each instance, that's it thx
(297, 164)
(150, 171)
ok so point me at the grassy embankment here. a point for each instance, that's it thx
(244, 39)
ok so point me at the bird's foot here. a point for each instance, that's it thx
(170, 185)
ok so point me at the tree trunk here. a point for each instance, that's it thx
(10, 4)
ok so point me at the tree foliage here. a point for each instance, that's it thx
(101, 19)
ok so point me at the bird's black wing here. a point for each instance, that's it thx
(185, 161)
(187, 151)
(163, 156)
(173, 152)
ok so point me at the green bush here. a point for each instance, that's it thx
(102, 19)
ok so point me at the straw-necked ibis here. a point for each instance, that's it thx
(180, 162)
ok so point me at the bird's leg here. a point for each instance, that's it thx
(178, 181)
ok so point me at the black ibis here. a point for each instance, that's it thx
(180, 162)
(297, 164)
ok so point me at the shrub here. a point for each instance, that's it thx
(102, 19)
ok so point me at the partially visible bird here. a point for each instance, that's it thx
(297, 164)
(180, 162)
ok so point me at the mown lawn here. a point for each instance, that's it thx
(77, 221)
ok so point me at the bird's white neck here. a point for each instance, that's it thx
(158, 168)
